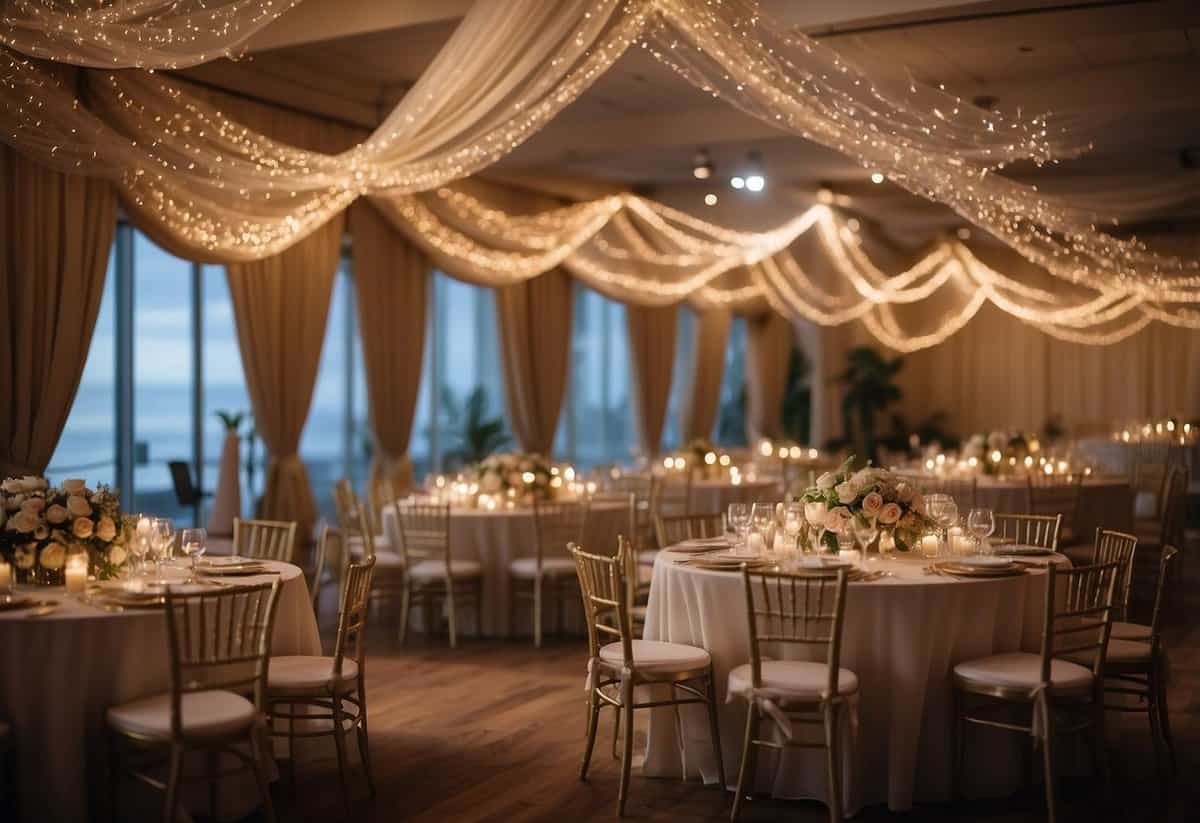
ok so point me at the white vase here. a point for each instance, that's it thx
(227, 503)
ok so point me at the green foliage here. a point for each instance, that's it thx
(473, 435)
(797, 399)
(1054, 430)
(870, 389)
(231, 420)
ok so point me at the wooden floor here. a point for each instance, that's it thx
(493, 731)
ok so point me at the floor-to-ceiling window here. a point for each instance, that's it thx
(731, 414)
(224, 388)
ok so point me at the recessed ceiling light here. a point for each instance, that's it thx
(710, 199)
(853, 224)
(756, 182)
(702, 167)
(737, 182)
(876, 177)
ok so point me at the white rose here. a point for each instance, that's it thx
(837, 519)
(54, 556)
(904, 492)
(56, 514)
(82, 528)
(106, 529)
(490, 483)
(814, 513)
(77, 506)
(74, 485)
(24, 521)
(846, 492)
(33, 505)
(11, 485)
(41, 532)
(116, 555)
(13, 503)
(32, 483)
(826, 481)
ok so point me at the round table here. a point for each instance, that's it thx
(903, 635)
(497, 537)
(711, 495)
(60, 672)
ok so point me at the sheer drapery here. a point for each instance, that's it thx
(391, 280)
(711, 335)
(55, 233)
(534, 321)
(652, 352)
(280, 308)
(770, 339)
(144, 33)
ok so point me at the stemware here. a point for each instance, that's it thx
(793, 523)
(865, 530)
(943, 510)
(981, 523)
(194, 543)
(762, 516)
(739, 518)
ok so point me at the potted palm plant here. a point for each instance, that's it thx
(870, 389)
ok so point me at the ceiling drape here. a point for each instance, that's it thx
(55, 233)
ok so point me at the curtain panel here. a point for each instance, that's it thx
(711, 337)
(652, 349)
(55, 234)
(280, 308)
(770, 339)
(391, 280)
(534, 320)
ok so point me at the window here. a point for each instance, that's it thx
(680, 380)
(731, 414)
(224, 385)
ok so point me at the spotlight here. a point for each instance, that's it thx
(737, 182)
(853, 224)
(756, 178)
(756, 182)
(710, 199)
(702, 167)
(876, 177)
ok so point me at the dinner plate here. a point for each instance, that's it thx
(1017, 550)
(985, 562)
(700, 546)
(244, 570)
(728, 566)
(13, 602)
(960, 570)
(818, 563)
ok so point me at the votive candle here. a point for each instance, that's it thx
(6, 577)
(76, 574)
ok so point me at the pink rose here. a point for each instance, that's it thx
(82, 528)
(56, 514)
(33, 505)
(24, 521)
(872, 503)
(106, 529)
(889, 514)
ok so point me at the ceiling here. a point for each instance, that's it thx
(1126, 71)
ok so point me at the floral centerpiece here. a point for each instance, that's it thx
(871, 495)
(699, 455)
(997, 452)
(525, 476)
(40, 524)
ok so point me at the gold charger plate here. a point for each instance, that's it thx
(729, 566)
(247, 570)
(15, 602)
(959, 570)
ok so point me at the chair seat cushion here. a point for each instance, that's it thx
(1080, 554)
(382, 545)
(656, 656)
(1120, 651)
(1022, 669)
(203, 714)
(792, 679)
(526, 567)
(302, 674)
(1130, 631)
(388, 560)
(434, 569)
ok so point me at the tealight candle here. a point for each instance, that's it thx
(755, 544)
(929, 545)
(76, 574)
(6, 577)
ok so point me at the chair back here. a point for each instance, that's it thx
(264, 539)
(677, 528)
(424, 532)
(1160, 592)
(671, 495)
(1174, 501)
(1078, 614)
(962, 489)
(1050, 495)
(1039, 530)
(186, 493)
(1150, 472)
(795, 609)
(219, 640)
(605, 604)
(556, 526)
(353, 516)
(641, 486)
(352, 616)
(331, 548)
(610, 502)
(1117, 547)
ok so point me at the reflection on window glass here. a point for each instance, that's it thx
(162, 356)
(680, 379)
(88, 444)
(731, 415)
(224, 384)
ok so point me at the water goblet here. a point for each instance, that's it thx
(981, 523)
(739, 518)
(194, 543)
(865, 530)
(763, 516)
(793, 523)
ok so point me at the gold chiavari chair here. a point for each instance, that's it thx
(219, 643)
(962, 489)
(388, 578)
(548, 576)
(1135, 668)
(431, 574)
(671, 495)
(1052, 495)
(676, 529)
(297, 684)
(264, 539)
(331, 550)
(794, 610)
(1063, 696)
(1119, 548)
(1040, 530)
(641, 486)
(618, 667)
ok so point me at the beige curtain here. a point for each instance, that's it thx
(769, 342)
(708, 365)
(55, 232)
(280, 306)
(391, 279)
(534, 320)
(652, 351)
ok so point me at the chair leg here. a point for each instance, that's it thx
(958, 729)
(1159, 696)
(1048, 757)
(260, 776)
(451, 614)
(292, 743)
(833, 762)
(537, 612)
(405, 596)
(593, 720)
(428, 599)
(174, 773)
(746, 769)
(616, 731)
(626, 759)
(715, 729)
(364, 751)
(1154, 712)
(339, 740)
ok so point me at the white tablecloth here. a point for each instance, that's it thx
(496, 538)
(59, 673)
(903, 635)
(716, 495)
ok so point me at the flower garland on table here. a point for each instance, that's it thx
(870, 495)
(523, 476)
(40, 524)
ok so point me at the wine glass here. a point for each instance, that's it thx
(739, 518)
(845, 538)
(762, 516)
(865, 530)
(164, 532)
(943, 510)
(793, 522)
(981, 523)
(194, 543)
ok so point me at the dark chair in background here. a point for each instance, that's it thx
(186, 493)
